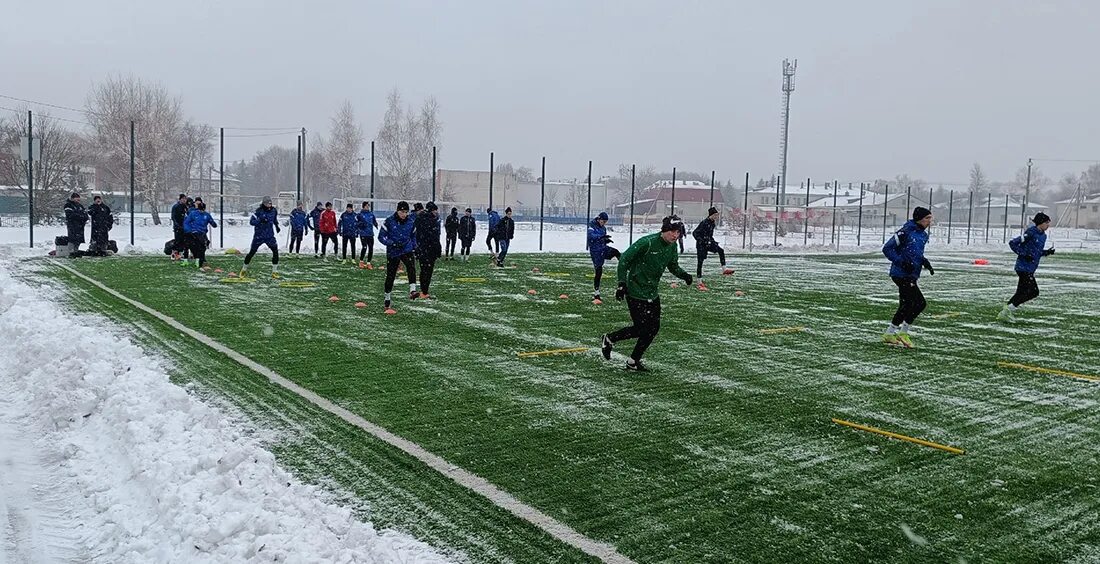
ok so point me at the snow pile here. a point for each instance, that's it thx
(102, 459)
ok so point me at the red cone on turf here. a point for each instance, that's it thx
(563, 297)
(334, 299)
(232, 274)
(218, 270)
(360, 305)
(597, 301)
(674, 285)
(739, 293)
(390, 311)
(532, 291)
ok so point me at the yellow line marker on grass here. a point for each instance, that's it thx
(946, 315)
(778, 330)
(552, 351)
(922, 442)
(237, 280)
(1066, 373)
(470, 280)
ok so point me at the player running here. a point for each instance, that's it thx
(705, 243)
(1029, 250)
(906, 253)
(600, 251)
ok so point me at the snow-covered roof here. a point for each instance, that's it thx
(680, 185)
(815, 190)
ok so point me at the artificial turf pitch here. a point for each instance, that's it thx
(726, 451)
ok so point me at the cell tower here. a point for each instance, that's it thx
(788, 87)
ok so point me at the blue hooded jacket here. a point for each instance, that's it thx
(596, 243)
(299, 221)
(494, 220)
(398, 236)
(315, 218)
(265, 223)
(367, 223)
(349, 224)
(906, 251)
(1030, 244)
(197, 221)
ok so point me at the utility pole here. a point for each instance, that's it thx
(1027, 195)
(789, 68)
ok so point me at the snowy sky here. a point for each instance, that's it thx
(922, 87)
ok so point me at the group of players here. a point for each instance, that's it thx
(412, 237)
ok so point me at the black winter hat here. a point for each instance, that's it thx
(670, 224)
(454, 211)
(1040, 218)
(920, 213)
(712, 211)
(431, 206)
(402, 205)
(418, 206)
(508, 210)
(468, 210)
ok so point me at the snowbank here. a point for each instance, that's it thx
(102, 459)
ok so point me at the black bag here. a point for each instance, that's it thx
(112, 246)
(169, 247)
(61, 240)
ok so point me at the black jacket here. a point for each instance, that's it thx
(704, 234)
(102, 221)
(451, 225)
(506, 229)
(467, 228)
(427, 236)
(179, 213)
(76, 217)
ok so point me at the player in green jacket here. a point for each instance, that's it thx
(640, 270)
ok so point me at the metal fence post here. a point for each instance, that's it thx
(859, 222)
(632, 167)
(969, 215)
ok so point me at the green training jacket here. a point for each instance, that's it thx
(642, 265)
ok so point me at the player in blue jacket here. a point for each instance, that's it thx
(906, 253)
(194, 228)
(366, 224)
(398, 234)
(265, 223)
(490, 238)
(299, 226)
(1029, 250)
(315, 225)
(349, 230)
(600, 251)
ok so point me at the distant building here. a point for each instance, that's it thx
(1081, 212)
(692, 201)
(209, 189)
(993, 207)
(470, 188)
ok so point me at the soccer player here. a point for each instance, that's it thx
(505, 232)
(1029, 250)
(427, 246)
(195, 226)
(367, 224)
(299, 226)
(705, 243)
(327, 226)
(349, 230)
(906, 253)
(467, 230)
(639, 273)
(490, 238)
(398, 235)
(263, 221)
(315, 225)
(599, 250)
(451, 227)
(179, 213)
(102, 222)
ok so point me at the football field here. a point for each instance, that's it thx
(725, 451)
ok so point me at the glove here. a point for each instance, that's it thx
(1048, 252)
(688, 279)
(278, 229)
(928, 265)
(607, 239)
(620, 292)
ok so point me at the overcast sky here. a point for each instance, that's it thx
(924, 88)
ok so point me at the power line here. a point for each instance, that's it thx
(47, 116)
(1068, 160)
(49, 105)
(265, 134)
(294, 129)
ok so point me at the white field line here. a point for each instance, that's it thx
(473, 482)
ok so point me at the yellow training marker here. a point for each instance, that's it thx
(1066, 373)
(552, 351)
(237, 280)
(297, 284)
(778, 330)
(946, 315)
(470, 280)
(922, 442)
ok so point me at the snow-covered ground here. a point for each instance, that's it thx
(103, 459)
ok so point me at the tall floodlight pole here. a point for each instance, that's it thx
(788, 87)
(1027, 194)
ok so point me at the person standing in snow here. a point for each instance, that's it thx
(76, 217)
(705, 243)
(467, 230)
(451, 226)
(639, 274)
(1029, 249)
(265, 223)
(299, 226)
(505, 232)
(399, 237)
(905, 250)
(490, 238)
(366, 223)
(102, 222)
(315, 225)
(428, 249)
(349, 231)
(327, 226)
(194, 227)
(600, 251)
(179, 213)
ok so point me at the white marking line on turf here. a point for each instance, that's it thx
(479, 485)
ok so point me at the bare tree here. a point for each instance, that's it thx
(525, 174)
(271, 170)
(159, 118)
(576, 199)
(404, 144)
(978, 181)
(342, 149)
(57, 167)
(1038, 181)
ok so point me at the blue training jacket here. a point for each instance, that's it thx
(299, 221)
(315, 218)
(494, 220)
(264, 222)
(906, 251)
(197, 221)
(366, 223)
(596, 233)
(398, 236)
(349, 224)
(1030, 244)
